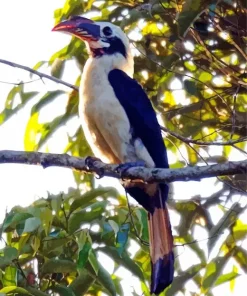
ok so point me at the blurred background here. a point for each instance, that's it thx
(68, 233)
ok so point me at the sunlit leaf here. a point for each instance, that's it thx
(180, 280)
(31, 224)
(82, 283)
(10, 253)
(212, 273)
(63, 291)
(49, 97)
(228, 219)
(88, 196)
(14, 289)
(77, 218)
(9, 277)
(229, 277)
(57, 266)
(122, 237)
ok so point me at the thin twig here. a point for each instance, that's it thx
(202, 143)
(234, 112)
(41, 75)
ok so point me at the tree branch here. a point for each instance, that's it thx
(41, 75)
(136, 173)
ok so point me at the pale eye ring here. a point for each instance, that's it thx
(107, 31)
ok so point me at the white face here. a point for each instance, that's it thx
(109, 31)
(112, 40)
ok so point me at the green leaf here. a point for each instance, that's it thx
(143, 219)
(82, 283)
(123, 260)
(8, 111)
(38, 65)
(57, 67)
(51, 245)
(10, 253)
(105, 280)
(58, 266)
(240, 255)
(33, 128)
(83, 255)
(13, 219)
(114, 226)
(48, 98)
(89, 196)
(13, 92)
(35, 243)
(233, 280)
(180, 280)
(122, 237)
(46, 130)
(9, 277)
(77, 218)
(63, 291)
(225, 222)
(85, 246)
(191, 87)
(93, 261)
(35, 292)
(226, 278)
(31, 224)
(46, 218)
(14, 289)
(205, 77)
(212, 273)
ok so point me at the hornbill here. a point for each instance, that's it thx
(120, 125)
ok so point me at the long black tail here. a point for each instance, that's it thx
(153, 198)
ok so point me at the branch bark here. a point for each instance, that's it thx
(140, 173)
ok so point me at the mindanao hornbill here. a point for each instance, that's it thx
(120, 125)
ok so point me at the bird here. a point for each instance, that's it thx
(121, 127)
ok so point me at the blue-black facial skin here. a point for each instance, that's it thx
(107, 31)
(116, 46)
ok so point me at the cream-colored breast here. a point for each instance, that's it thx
(104, 121)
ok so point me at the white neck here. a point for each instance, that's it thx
(94, 79)
(106, 63)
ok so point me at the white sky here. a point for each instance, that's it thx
(26, 38)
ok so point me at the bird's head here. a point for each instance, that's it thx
(102, 38)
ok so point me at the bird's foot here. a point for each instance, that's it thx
(122, 168)
(90, 163)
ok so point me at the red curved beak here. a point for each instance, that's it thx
(81, 27)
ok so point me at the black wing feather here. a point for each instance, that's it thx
(141, 115)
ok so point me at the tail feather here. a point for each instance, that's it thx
(161, 244)
(153, 199)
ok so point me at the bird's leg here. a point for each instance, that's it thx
(90, 163)
(123, 168)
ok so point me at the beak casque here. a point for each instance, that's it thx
(81, 27)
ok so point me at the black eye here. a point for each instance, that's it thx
(107, 31)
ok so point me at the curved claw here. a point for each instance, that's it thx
(123, 168)
(90, 163)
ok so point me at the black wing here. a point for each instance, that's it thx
(141, 115)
